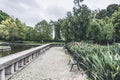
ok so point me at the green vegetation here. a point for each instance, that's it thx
(3, 16)
(43, 31)
(99, 62)
(100, 26)
(13, 30)
(4, 47)
(82, 24)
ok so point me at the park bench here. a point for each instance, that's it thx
(74, 60)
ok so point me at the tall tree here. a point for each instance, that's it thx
(43, 29)
(69, 27)
(77, 2)
(111, 9)
(101, 30)
(57, 25)
(3, 16)
(116, 23)
(21, 29)
(30, 33)
(3, 32)
(82, 16)
(101, 14)
(11, 28)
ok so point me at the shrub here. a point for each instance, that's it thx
(99, 62)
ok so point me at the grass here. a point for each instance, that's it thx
(99, 62)
(4, 47)
(31, 42)
(2, 42)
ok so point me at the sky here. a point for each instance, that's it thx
(32, 11)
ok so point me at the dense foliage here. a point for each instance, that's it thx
(83, 24)
(3, 16)
(100, 26)
(14, 30)
(99, 62)
(43, 31)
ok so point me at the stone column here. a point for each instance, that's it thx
(22, 62)
(27, 59)
(12, 69)
(36, 53)
(16, 66)
(30, 58)
(9, 70)
(2, 74)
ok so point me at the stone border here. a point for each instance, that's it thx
(12, 64)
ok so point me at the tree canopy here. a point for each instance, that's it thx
(100, 26)
(43, 30)
(3, 16)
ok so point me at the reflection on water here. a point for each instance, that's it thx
(15, 49)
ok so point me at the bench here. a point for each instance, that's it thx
(73, 62)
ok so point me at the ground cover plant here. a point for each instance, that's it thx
(99, 62)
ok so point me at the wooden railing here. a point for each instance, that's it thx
(11, 64)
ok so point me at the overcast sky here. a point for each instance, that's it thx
(33, 11)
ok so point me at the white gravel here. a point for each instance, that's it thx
(52, 65)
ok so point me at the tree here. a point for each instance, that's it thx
(43, 30)
(30, 33)
(11, 29)
(77, 2)
(116, 23)
(3, 16)
(101, 14)
(107, 30)
(111, 9)
(3, 31)
(67, 28)
(101, 30)
(94, 30)
(82, 19)
(75, 26)
(20, 29)
(57, 25)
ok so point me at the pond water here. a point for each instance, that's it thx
(15, 49)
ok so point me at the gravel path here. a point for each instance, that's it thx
(52, 65)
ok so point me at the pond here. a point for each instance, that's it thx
(15, 49)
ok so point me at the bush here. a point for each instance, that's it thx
(99, 62)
